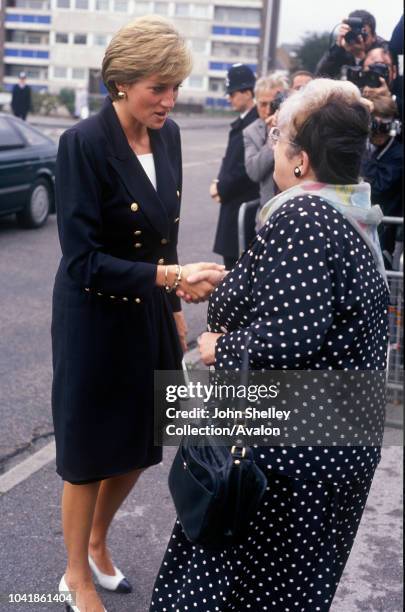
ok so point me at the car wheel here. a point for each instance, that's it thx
(38, 206)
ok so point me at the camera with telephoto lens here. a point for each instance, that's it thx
(356, 30)
(366, 78)
(277, 102)
(393, 127)
(371, 77)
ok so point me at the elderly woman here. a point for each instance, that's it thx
(116, 318)
(259, 158)
(311, 294)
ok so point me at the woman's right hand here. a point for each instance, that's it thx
(201, 289)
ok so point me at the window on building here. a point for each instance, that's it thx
(26, 37)
(182, 10)
(217, 85)
(120, 6)
(37, 38)
(61, 38)
(199, 45)
(225, 49)
(38, 5)
(226, 14)
(82, 5)
(201, 11)
(79, 73)
(80, 39)
(142, 8)
(32, 72)
(102, 5)
(100, 40)
(195, 81)
(161, 8)
(65, 4)
(60, 72)
(9, 137)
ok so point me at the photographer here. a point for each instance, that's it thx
(382, 168)
(380, 62)
(355, 37)
(259, 158)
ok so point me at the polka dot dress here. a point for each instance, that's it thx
(308, 292)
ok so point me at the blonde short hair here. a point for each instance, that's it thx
(272, 80)
(146, 46)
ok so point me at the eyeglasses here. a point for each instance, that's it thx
(275, 136)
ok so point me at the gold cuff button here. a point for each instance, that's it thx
(138, 233)
(137, 300)
(178, 193)
(161, 261)
(138, 245)
(164, 241)
(134, 206)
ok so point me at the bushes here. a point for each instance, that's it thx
(67, 97)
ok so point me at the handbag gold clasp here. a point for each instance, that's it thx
(235, 449)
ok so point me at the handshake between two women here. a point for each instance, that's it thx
(192, 282)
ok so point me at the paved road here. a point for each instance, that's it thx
(31, 548)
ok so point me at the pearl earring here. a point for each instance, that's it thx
(297, 172)
(121, 95)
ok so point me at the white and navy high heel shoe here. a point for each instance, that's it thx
(117, 583)
(63, 588)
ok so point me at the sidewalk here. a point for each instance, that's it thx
(32, 554)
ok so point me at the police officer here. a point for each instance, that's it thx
(233, 186)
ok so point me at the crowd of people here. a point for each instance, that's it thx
(358, 55)
(309, 293)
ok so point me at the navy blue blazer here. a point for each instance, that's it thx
(114, 226)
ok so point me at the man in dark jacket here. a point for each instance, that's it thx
(21, 97)
(382, 168)
(352, 53)
(233, 186)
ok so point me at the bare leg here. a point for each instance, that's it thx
(78, 504)
(111, 495)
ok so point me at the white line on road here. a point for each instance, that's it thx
(26, 468)
(45, 455)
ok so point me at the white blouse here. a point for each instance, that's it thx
(148, 164)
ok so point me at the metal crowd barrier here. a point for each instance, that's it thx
(395, 365)
(395, 362)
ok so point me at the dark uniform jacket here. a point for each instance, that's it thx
(384, 171)
(21, 100)
(112, 327)
(234, 188)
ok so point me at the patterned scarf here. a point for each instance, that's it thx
(352, 201)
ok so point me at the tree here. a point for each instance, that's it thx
(313, 46)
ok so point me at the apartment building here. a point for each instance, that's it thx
(60, 43)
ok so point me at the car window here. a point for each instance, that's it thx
(9, 137)
(33, 137)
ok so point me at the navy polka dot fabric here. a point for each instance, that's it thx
(308, 293)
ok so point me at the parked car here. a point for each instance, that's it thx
(27, 172)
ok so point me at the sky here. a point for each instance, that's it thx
(300, 16)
